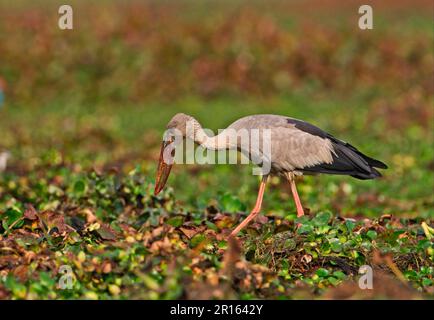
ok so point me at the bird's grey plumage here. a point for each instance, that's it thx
(296, 146)
(286, 146)
(300, 147)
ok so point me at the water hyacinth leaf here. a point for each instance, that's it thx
(79, 187)
(19, 290)
(336, 245)
(322, 218)
(333, 281)
(12, 218)
(339, 275)
(197, 239)
(176, 221)
(46, 280)
(231, 203)
(427, 282)
(321, 272)
(212, 226)
(371, 234)
(411, 274)
(305, 228)
(350, 225)
(424, 244)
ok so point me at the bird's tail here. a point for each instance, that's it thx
(347, 160)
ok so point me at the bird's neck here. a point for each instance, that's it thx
(198, 135)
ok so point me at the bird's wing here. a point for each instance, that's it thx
(260, 121)
(299, 145)
(293, 149)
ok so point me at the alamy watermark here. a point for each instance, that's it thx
(366, 280)
(67, 278)
(66, 21)
(366, 20)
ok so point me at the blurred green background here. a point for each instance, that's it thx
(99, 96)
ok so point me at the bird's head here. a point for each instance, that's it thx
(178, 123)
(176, 127)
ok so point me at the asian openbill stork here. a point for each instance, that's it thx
(297, 147)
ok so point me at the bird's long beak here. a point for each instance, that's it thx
(164, 165)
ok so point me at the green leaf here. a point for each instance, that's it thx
(211, 225)
(424, 244)
(18, 290)
(305, 228)
(176, 221)
(230, 203)
(336, 245)
(411, 274)
(46, 280)
(12, 216)
(322, 218)
(339, 274)
(371, 234)
(79, 187)
(150, 282)
(321, 272)
(197, 239)
(350, 225)
(333, 281)
(427, 282)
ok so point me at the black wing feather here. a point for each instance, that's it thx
(347, 160)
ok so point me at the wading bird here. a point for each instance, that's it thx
(297, 148)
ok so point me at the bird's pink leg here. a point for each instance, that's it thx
(300, 211)
(255, 210)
